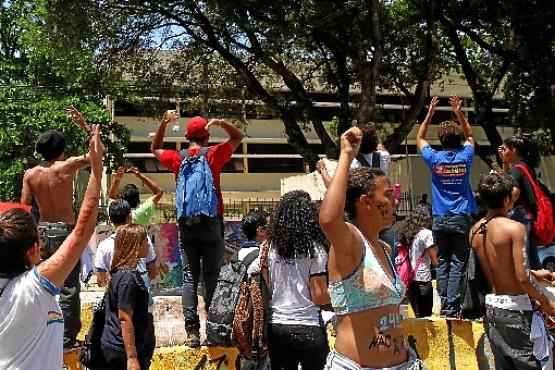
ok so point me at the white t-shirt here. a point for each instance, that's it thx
(423, 240)
(31, 324)
(105, 252)
(289, 280)
(385, 160)
(254, 267)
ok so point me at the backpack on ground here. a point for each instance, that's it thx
(195, 193)
(221, 314)
(543, 228)
(91, 354)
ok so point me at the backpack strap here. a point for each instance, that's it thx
(533, 182)
(362, 160)
(376, 158)
(249, 258)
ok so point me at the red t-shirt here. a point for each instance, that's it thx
(217, 156)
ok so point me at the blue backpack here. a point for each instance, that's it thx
(195, 193)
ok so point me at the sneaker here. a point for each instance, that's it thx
(193, 339)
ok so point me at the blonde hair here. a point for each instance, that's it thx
(129, 239)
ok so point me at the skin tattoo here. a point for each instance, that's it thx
(384, 342)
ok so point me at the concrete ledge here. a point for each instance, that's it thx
(441, 344)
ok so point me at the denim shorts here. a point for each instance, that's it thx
(337, 361)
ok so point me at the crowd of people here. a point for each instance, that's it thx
(313, 256)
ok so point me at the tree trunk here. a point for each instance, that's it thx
(483, 104)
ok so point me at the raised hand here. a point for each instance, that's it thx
(96, 148)
(433, 106)
(456, 104)
(134, 170)
(119, 173)
(350, 141)
(170, 116)
(78, 118)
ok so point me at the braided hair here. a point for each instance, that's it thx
(129, 239)
(295, 230)
(18, 234)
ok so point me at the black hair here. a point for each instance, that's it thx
(295, 230)
(526, 147)
(119, 211)
(494, 188)
(450, 136)
(18, 234)
(370, 140)
(252, 221)
(130, 193)
(51, 144)
(419, 219)
(361, 181)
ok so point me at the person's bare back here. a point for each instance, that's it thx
(51, 184)
(504, 238)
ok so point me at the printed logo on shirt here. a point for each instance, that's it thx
(450, 170)
(54, 317)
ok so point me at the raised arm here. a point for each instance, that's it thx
(235, 135)
(423, 129)
(321, 168)
(150, 184)
(523, 274)
(116, 180)
(57, 268)
(456, 105)
(333, 206)
(158, 141)
(78, 118)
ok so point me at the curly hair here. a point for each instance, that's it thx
(361, 181)
(127, 244)
(295, 230)
(419, 219)
(18, 234)
(494, 188)
(450, 134)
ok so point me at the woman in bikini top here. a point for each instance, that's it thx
(364, 288)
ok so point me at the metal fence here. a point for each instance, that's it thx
(236, 209)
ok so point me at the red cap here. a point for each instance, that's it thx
(196, 128)
(6, 206)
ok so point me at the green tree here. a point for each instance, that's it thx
(25, 114)
(277, 52)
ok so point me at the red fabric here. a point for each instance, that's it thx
(6, 206)
(217, 156)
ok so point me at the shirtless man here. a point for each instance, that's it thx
(500, 244)
(51, 185)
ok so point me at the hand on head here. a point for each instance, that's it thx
(170, 116)
(214, 122)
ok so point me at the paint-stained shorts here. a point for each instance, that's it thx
(337, 361)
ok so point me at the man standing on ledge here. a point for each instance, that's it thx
(202, 240)
(51, 185)
(452, 199)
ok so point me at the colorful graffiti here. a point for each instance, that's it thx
(166, 241)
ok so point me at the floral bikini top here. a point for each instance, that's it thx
(368, 286)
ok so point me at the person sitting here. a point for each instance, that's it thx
(365, 290)
(297, 264)
(124, 338)
(511, 322)
(32, 325)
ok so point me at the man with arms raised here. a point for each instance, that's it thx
(510, 321)
(31, 328)
(51, 185)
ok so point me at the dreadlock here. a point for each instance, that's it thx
(295, 230)
(129, 239)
